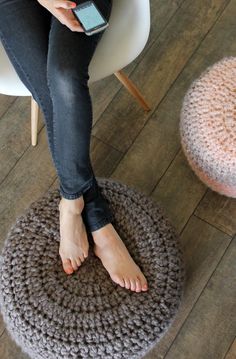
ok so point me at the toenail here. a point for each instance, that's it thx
(69, 271)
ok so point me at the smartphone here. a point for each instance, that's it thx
(91, 19)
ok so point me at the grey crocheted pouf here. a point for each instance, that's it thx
(53, 315)
(208, 126)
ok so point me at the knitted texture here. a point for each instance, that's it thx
(208, 126)
(53, 315)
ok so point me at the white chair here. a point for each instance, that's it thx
(121, 43)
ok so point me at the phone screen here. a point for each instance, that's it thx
(89, 16)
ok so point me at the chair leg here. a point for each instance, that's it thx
(132, 89)
(34, 121)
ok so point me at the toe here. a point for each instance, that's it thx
(67, 266)
(74, 264)
(78, 261)
(127, 283)
(118, 280)
(143, 281)
(144, 284)
(145, 287)
(133, 284)
(138, 285)
(85, 250)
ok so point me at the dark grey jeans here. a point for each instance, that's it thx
(52, 61)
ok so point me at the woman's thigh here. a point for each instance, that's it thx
(70, 52)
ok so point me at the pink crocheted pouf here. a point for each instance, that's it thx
(208, 126)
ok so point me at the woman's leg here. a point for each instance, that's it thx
(24, 27)
(24, 32)
(69, 55)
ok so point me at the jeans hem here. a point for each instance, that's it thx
(78, 194)
(100, 224)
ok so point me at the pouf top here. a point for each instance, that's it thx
(208, 121)
(86, 315)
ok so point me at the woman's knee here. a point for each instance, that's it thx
(66, 82)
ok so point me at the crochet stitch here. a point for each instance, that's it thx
(52, 315)
(208, 126)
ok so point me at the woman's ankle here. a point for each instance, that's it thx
(72, 205)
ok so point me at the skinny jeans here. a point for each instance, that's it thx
(52, 61)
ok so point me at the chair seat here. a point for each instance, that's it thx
(121, 43)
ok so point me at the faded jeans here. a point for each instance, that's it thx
(52, 61)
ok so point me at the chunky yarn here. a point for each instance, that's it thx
(208, 126)
(53, 315)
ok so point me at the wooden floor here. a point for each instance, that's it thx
(143, 150)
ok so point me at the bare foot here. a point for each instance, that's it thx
(74, 244)
(115, 257)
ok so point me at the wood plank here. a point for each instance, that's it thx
(2, 326)
(5, 103)
(149, 157)
(179, 191)
(205, 10)
(160, 14)
(104, 158)
(218, 210)
(102, 92)
(203, 247)
(9, 349)
(211, 326)
(231, 354)
(123, 119)
(214, 208)
(15, 134)
(26, 182)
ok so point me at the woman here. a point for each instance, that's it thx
(51, 54)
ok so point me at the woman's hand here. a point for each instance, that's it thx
(61, 9)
